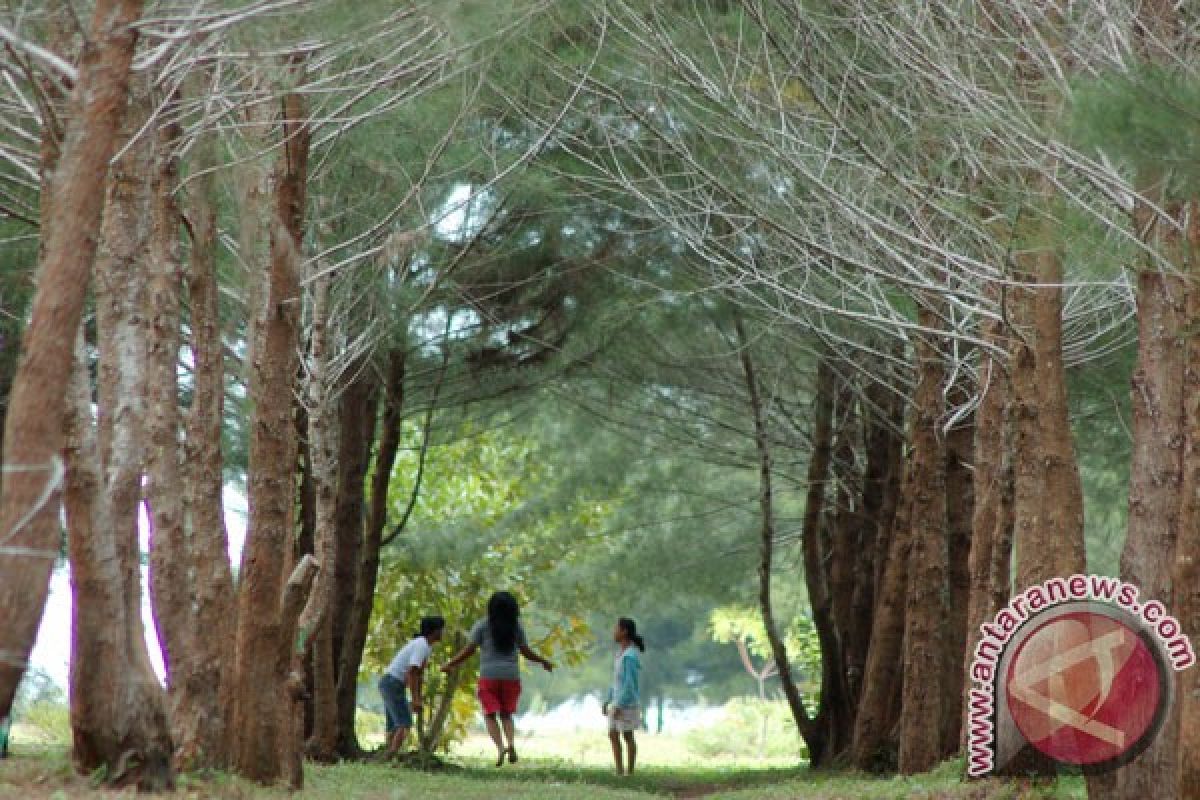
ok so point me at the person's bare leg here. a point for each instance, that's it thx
(396, 742)
(510, 734)
(615, 739)
(493, 729)
(631, 748)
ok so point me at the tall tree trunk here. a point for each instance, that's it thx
(829, 551)
(355, 638)
(872, 747)
(1187, 551)
(118, 714)
(33, 432)
(313, 630)
(924, 680)
(1047, 492)
(847, 528)
(356, 420)
(263, 639)
(815, 736)
(989, 564)
(202, 686)
(1158, 409)
(1155, 475)
(881, 486)
(960, 511)
(110, 667)
(1048, 496)
(171, 586)
(323, 430)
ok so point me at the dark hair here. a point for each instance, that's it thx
(502, 614)
(431, 624)
(630, 628)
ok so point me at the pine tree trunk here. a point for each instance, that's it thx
(323, 434)
(1156, 470)
(110, 667)
(33, 435)
(263, 640)
(991, 535)
(203, 701)
(368, 571)
(1187, 551)
(356, 420)
(872, 747)
(1048, 494)
(815, 735)
(881, 485)
(1155, 476)
(313, 632)
(171, 586)
(847, 528)
(960, 511)
(830, 546)
(924, 680)
(118, 714)
(1048, 534)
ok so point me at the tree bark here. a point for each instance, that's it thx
(924, 680)
(118, 714)
(989, 562)
(356, 420)
(960, 511)
(203, 701)
(360, 616)
(872, 748)
(299, 615)
(828, 572)
(315, 629)
(33, 433)
(1155, 477)
(1187, 551)
(1048, 494)
(260, 666)
(881, 487)
(847, 556)
(815, 737)
(171, 586)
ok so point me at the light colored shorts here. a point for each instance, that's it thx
(624, 720)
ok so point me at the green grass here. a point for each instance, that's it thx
(42, 773)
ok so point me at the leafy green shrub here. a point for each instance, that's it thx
(751, 728)
(370, 727)
(44, 722)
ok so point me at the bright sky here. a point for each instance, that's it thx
(52, 652)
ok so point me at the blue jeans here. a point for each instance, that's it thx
(395, 703)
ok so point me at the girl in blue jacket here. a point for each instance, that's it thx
(623, 702)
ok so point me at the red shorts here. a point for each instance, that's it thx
(499, 696)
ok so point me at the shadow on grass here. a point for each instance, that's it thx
(684, 782)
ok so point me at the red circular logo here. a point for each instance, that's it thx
(1085, 688)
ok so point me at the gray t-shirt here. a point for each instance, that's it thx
(493, 663)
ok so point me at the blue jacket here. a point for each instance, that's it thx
(626, 691)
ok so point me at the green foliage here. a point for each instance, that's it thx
(473, 532)
(1144, 118)
(731, 623)
(43, 723)
(750, 728)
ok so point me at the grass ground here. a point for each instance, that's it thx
(44, 773)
